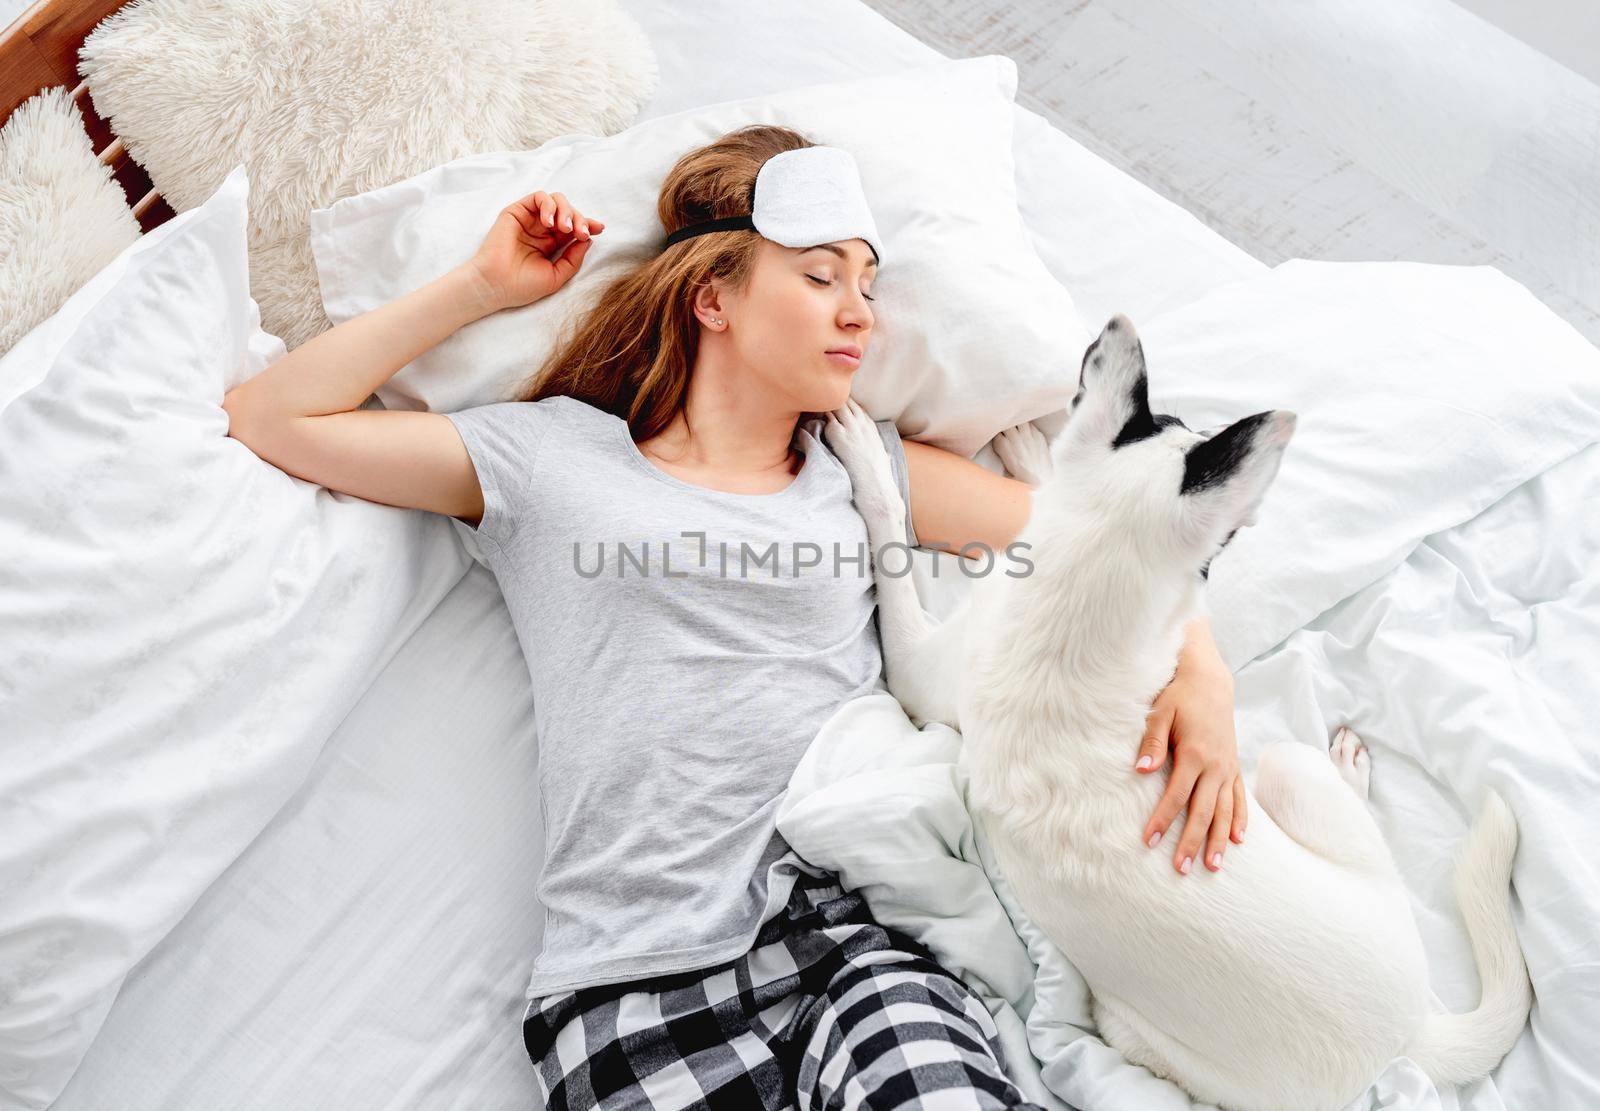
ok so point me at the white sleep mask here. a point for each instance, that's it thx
(802, 198)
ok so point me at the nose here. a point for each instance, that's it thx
(857, 311)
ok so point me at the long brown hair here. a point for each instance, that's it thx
(632, 353)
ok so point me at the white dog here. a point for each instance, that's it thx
(1296, 973)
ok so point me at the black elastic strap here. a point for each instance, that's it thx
(726, 223)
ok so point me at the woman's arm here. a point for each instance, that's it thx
(301, 414)
(336, 371)
(954, 501)
(1193, 715)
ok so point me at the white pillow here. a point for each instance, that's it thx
(1424, 393)
(322, 99)
(62, 214)
(972, 333)
(182, 625)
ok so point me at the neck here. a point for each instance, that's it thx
(723, 429)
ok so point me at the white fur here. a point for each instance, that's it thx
(323, 99)
(1295, 974)
(63, 217)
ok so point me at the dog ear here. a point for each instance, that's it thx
(1112, 406)
(1226, 476)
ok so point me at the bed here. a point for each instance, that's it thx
(370, 948)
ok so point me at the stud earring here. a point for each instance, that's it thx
(714, 320)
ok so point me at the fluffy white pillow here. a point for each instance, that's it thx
(182, 625)
(62, 215)
(972, 332)
(321, 99)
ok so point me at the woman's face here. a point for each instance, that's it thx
(800, 304)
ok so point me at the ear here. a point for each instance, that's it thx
(1226, 476)
(708, 300)
(1112, 406)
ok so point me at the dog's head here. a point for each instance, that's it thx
(1175, 495)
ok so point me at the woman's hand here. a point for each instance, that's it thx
(1195, 714)
(534, 247)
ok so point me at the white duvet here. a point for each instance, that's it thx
(1458, 641)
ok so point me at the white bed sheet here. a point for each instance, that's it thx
(370, 948)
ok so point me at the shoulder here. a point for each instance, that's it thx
(518, 414)
(579, 410)
(508, 434)
(505, 410)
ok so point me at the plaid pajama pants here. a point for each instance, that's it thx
(828, 1009)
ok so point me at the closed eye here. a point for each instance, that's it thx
(823, 281)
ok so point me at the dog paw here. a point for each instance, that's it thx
(1025, 453)
(1350, 757)
(854, 439)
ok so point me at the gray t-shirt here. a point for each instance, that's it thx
(677, 679)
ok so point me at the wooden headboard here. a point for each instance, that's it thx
(40, 50)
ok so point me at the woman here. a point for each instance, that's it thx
(690, 957)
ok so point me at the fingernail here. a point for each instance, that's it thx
(1144, 762)
(1216, 860)
(1155, 839)
(549, 220)
(565, 223)
(1184, 867)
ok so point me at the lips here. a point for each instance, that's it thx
(849, 353)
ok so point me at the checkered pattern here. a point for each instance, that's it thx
(829, 1009)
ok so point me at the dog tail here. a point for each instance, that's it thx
(1458, 1049)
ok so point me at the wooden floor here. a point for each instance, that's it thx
(1401, 129)
(1389, 129)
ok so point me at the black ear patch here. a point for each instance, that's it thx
(1142, 427)
(1143, 423)
(1210, 462)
